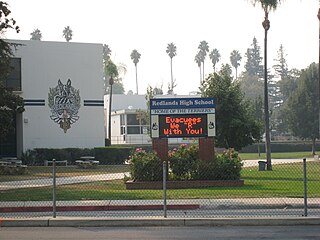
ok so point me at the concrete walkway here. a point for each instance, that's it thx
(43, 182)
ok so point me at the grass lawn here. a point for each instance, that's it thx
(285, 180)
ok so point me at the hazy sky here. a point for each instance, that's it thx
(149, 25)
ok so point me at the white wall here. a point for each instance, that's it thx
(42, 65)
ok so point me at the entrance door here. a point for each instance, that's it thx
(8, 144)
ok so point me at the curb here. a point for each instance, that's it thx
(148, 222)
(152, 207)
(99, 208)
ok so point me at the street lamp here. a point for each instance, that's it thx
(111, 81)
(266, 26)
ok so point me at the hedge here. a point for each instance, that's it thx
(112, 155)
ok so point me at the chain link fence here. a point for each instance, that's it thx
(292, 188)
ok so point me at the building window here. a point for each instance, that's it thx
(123, 130)
(122, 119)
(14, 79)
(132, 119)
(133, 130)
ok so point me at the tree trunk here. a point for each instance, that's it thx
(109, 117)
(137, 79)
(266, 26)
(313, 146)
(171, 76)
(203, 71)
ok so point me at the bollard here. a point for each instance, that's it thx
(54, 201)
(164, 189)
(305, 187)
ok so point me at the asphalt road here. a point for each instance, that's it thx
(157, 233)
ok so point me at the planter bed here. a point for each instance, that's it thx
(130, 185)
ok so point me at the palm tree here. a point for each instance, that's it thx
(199, 59)
(204, 49)
(106, 52)
(267, 6)
(215, 58)
(135, 56)
(235, 58)
(36, 35)
(67, 33)
(111, 72)
(172, 51)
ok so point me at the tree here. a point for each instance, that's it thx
(204, 49)
(135, 56)
(117, 87)
(111, 73)
(281, 68)
(267, 6)
(215, 58)
(36, 35)
(251, 86)
(172, 52)
(10, 103)
(235, 58)
(303, 108)
(289, 84)
(106, 52)
(67, 33)
(157, 91)
(253, 64)
(236, 125)
(199, 59)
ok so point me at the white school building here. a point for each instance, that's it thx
(61, 84)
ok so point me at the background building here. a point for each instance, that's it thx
(127, 124)
(62, 87)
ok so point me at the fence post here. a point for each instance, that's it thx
(305, 187)
(54, 188)
(164, 166)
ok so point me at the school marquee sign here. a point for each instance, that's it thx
(182, 117)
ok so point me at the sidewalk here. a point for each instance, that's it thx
(182, 204)
(43, 182)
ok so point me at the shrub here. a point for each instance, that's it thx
(13, 170)
(28, 157)
(185, 165)
(183, 161)
(226, 166)
(145, 166)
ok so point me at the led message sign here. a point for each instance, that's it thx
(183, 125)
(182, 117)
